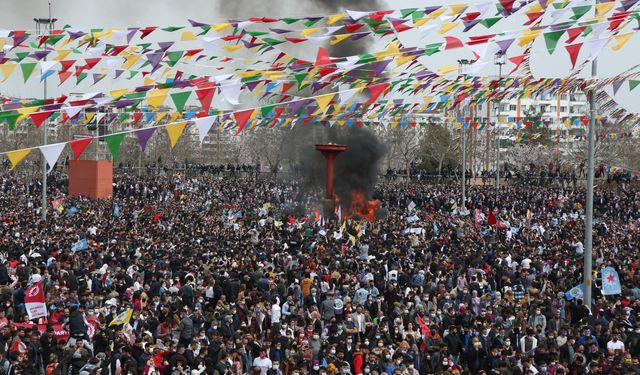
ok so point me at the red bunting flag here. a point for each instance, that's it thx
(452, 42)
(574, 51)
(376, 90)
(323, 57)
(574, 32)
(205, 96)
(507, 5)
(146, 31)
(39, 117)
(66, 64)
(242, 117)
(79, 145)
(136, 117)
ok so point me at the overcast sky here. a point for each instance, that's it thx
(86, 14)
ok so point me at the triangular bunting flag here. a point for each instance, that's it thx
(621, 40)
(574, 51)
(175, 131)
(323, 101)
(51, 153)
(551, 39)
(27, 70)
(113, 142)
(15, 157)
(39, 117)
(242, 117)
(205, 96)
(376, 90)
(180, 99)
(79, 145)
(204, 125)
(633, 84)
(156, 98)
(143, 136)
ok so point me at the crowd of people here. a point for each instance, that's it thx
(247, 276)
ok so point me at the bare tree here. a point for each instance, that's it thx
(438, 146)
(267, 145)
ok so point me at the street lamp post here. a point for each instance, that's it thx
(500, 59)
(461, 65)
(44, 26)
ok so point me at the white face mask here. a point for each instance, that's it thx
(316, 367)
(332, 351)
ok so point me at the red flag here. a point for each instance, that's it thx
(452, 42)
(34, 301)
(507, 5)
(79, 145)
(205, 96)
(39, 117)
(136, 117)
(63, 76)
(242, 117)
(146, 31)
(574, 51)
(376, 90)
(574, 32)
(323, 57)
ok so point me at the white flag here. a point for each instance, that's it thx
(51, 153)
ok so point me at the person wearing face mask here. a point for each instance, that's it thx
(538, 319)
(263, 362)
(275, 369)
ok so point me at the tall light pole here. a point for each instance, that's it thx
(461, 65)
(588, 222)
(499, 59)
(44, 26)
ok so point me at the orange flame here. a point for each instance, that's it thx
(360, 206)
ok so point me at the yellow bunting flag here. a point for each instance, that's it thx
(118, 93)
(528, 36)
(175, 131)
(457, 9)
(448, 26)
(15, 157)
(62, 54)
(156, 98)
(421, 21)
(323, 101)
(187, 36)
(160, 116)
(89, 116)
(333, 19)
(307, 32)
(447, 69)
(339, 38)
(221, 26)
(131, 61)
(7, 69)
(233, 48)
(604, 8)
(621, 40)
(25, 112)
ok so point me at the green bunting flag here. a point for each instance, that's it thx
(488, 22)
(180, 99)
(633, 84)
(173, 57)
(27, 70)
(113, 142)
(551, 39)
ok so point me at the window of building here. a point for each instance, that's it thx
(563, 97)
(512, 107)
(563, 109)
(554, 108)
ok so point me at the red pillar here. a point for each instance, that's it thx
(330, 153)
